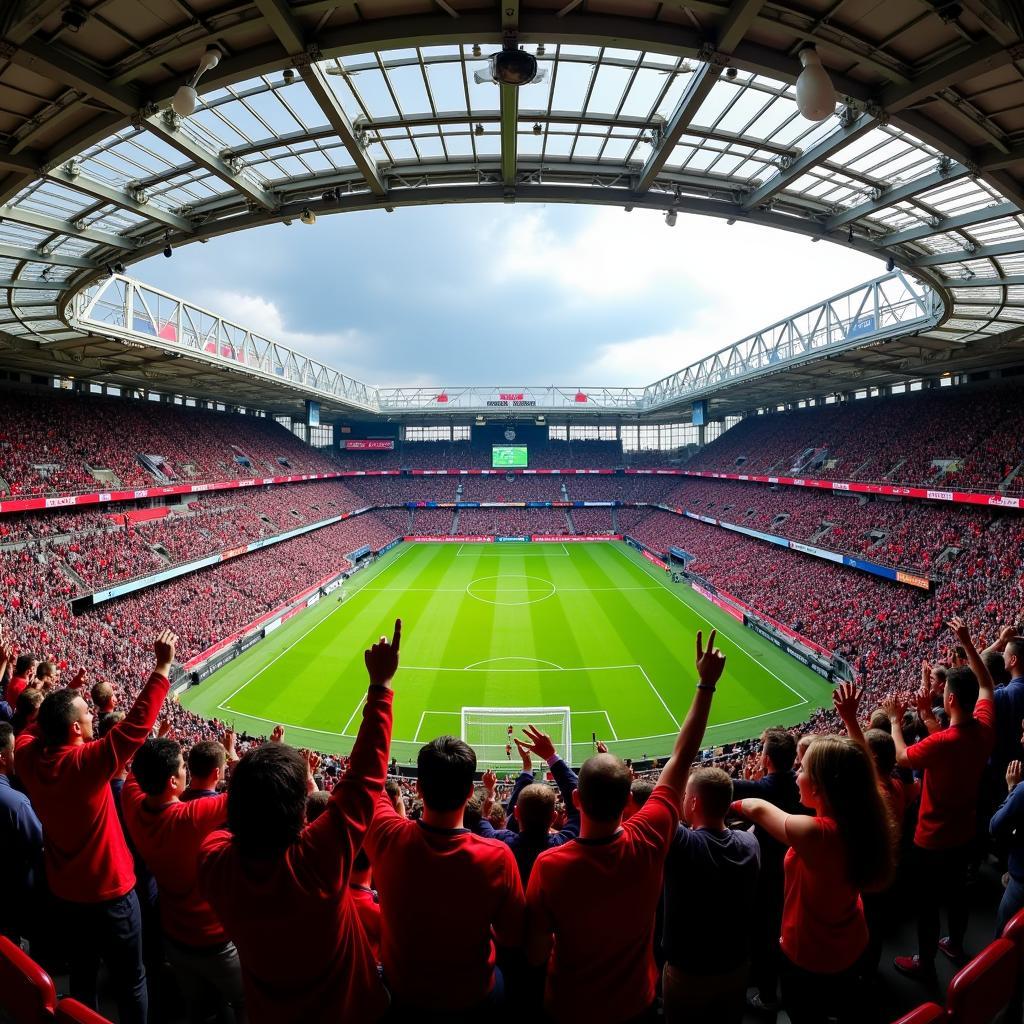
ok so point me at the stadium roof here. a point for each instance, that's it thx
(372, 104)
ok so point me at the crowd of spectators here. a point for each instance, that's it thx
(511, 522)
(932, 437)
(62, 443)
(184, 864)
(892, 531)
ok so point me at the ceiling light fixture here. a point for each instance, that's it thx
(670, 218)
(186, 98)
(815, 95)
(307, 216)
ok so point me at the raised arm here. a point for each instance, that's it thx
(710, 664)
(893, 708)
(986, 686)
(328, 847)
(846, 701)
(109, 755)
(790, 829)
(1006, 634)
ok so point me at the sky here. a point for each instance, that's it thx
(508, 295)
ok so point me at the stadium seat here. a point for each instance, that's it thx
(926, 1013)
(985, 987)
(1014, 931)
(71, 1011)
(26, 991)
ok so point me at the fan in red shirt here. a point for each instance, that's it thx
(848, 846)
(953, 761)
(24, 672)
(432, 874)
(168, 834)
(272, 879)
(88, 865)
(592, 902)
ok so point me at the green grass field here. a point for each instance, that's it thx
(592, 627)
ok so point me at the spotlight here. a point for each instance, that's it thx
(288, 75)
(731, 73)
(118, 268)
(186, 98)
(670, 218)
(477, 52)
(537, 129)
(479, 129)
(307, 216)
(815, 96)
(890, 265)
(168, 251)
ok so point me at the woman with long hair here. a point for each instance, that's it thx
(847, 848)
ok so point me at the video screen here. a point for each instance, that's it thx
(509, 456)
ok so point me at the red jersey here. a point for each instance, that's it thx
(599, 897)
(87, 858)
(953, 761)
(823, 926)
(168, 840)
(368, 908)
(303, 952)
(15, 688)
(442, 893)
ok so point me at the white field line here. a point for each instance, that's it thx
(657, 694)
(539, 551)
(348, 721)
(611, 727)
(732, 640)
(419, 725)
(339, 605)
(509, 590)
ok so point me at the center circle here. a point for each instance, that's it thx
(510, 590)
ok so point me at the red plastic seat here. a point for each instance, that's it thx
(1014, 930)
(926, 1013)
(71, 1011)
(26, 991)
(985, 987)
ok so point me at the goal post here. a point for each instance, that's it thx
(485, 729)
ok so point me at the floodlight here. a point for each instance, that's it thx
(670, 218)
(186, 97)
(307, 216)
(815, 95)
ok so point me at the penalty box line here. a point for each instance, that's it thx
(514, 547)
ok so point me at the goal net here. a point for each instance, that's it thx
(486, 731)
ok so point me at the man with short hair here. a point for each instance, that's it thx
(168, 834)
(592, 902)
(24, 676)
(21, 849)
(207, 766)
(280, 887)
(435, 873)
(710, 880)
(533, 808)
(777, 785)
(953, 761)
(1009, 700)
(103, 698)
(88, 864)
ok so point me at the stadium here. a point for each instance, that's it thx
(692, 700)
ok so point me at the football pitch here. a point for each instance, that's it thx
(591, 627)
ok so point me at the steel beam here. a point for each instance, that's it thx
(1010, 281)
(955, 223)
(14, 252)
(509, 101)
(892, 196)
(32, 284)
(289, 33)
(50, 61)
(165, 126)
(30, 218)
(740, 17)
(983, 252)
(814, 156)
(118, 197)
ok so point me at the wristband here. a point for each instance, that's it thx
(706, 686)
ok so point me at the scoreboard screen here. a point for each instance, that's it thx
(509, 456)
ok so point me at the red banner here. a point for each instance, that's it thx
(853, 486)
(451, 540)
(578, 539)
(653, 558)
(369, 446)
(102, 497)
